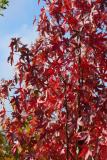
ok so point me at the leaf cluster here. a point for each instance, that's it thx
(3, 5)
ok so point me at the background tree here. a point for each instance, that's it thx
(60, 101)
(3, 5)
(5, 151)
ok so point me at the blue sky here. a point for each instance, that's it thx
(16, 22)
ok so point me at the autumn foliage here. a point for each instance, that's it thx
(5, 153)
(59, 92)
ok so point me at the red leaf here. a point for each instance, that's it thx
(38, 1)
(103, 152)
(2, 112)
(83, 152)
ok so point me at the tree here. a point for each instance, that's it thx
(3, 5)
(5, 152)
(59, 102)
